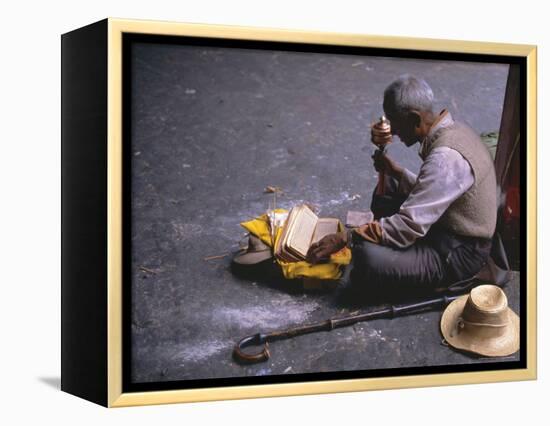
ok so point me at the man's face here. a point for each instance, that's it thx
(404, 128)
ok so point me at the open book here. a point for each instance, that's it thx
(301, 229)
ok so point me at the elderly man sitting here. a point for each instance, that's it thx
(433, 229)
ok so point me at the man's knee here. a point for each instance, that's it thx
(371, 267)
(367, 256)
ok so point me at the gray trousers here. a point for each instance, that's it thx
(437, 260)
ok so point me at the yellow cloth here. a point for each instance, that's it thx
(327, 271)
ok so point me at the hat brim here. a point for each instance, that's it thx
(251, 258)
(506, 344)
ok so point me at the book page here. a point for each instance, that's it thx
(302, 232)
(325, 226)
(291, 225)
(280, 246)
(282, 251)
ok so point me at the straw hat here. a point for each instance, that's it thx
(482, 322)
(256, 252)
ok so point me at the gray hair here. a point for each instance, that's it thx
(408, 93)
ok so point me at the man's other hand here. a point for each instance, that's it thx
(383, 163)
(321, 250)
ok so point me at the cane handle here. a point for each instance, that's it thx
(254, 340)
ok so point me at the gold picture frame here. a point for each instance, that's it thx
(108, 389)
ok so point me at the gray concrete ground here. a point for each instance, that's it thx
(211, 128)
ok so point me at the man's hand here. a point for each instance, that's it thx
(321, 250)
(371, 231)
(383, 163)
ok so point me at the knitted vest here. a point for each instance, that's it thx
(474, 213)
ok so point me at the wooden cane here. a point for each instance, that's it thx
(262, 339)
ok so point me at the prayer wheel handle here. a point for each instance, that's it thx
(381, 130)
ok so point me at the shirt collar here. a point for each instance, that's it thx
(443, 120)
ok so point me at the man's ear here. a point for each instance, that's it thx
(414, 118)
